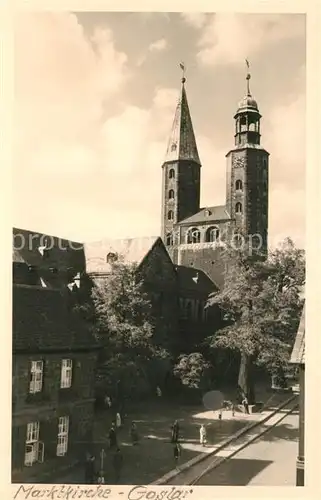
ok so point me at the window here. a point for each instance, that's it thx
(193, 235)
(171, 194)
(171, 174)
(111, 258)
(170, 215)
(212, 234)
(66, 373)
(169, 239)
(238, 208)
(34, 449)
(63, 430)
(239, 185)
(36, 377)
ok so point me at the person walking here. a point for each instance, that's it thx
(134, 433)
(112, 436)
(117, 464)
(203, 435)
(118, 420)
(177, 453)
(90, 469)
(175, 432)
(245, 403)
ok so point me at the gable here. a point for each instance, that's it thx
(157, 267)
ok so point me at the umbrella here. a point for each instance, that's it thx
(213, 400)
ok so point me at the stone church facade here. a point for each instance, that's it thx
(194, 235)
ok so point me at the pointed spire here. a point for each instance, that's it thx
(182, 143)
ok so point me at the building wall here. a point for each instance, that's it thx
(301, 453)
(47, 406)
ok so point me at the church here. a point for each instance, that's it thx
(54, 356)
(193, 235)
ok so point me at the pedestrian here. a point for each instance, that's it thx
(245, 404)
(90, 469)
(220, 415)
(134, 433)
(108, 401)
(158, 392)
(117, 464)
(233, 409)
(118, 420)
(175, 432)
(177, 453)
(112, 436)
(203, 435)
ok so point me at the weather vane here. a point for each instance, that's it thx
(182, 66)
(248, 76)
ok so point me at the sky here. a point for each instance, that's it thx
(95, 97)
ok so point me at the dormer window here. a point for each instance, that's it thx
(207, 213)
(111, 258)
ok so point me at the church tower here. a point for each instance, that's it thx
(247, 174)
(181, 174)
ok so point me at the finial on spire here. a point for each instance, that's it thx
(248, 77)
(182, 66)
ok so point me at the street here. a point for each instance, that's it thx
(269, 461)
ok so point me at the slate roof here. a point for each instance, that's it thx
(208, 214)
(194, 280)
(43, 320)
(298, 352)
(182, 143)
(131, 250)
(61, 254)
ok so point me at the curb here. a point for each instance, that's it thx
(202, 456)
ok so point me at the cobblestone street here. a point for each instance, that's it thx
(153, 456)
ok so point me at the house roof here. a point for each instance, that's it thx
(194, 280)
(29, 247)
(43, 319)
(298, 352)
(131, 250)
(208, 214)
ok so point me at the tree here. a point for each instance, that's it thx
(191, 369)
(124, 327)
(261, 304)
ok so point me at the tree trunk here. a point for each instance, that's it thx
(245, 382)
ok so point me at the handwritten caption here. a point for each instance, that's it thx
(67, 492)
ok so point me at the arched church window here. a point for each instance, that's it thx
(170, 215)
(238, 240)
(171, 194)
(169, 239)
(171, 174)
(239, 185)
(193, 235)
(238, 208)
(212, 234)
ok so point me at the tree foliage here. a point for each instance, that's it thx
(261, 303)
(191, 369)
(124, 326)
